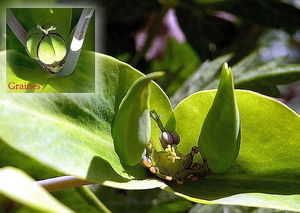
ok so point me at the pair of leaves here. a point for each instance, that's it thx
(54, 129)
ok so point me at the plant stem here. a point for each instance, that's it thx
(16, 27)
(156, 118)
(77, 42)
(63, 182)
(152, 32)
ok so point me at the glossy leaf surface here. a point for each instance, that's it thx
(130, 142)
(219, 141)
(79, 123)
(267, 158)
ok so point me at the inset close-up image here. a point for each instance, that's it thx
(50, 50)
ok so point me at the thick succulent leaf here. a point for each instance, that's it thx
(219, 140)
(268, 159)
(269, 201)
(56, 128)
(17, 185)
(131, 131)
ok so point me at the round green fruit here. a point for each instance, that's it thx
(47, 43)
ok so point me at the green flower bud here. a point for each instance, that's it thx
(219, 141)
(46, 43)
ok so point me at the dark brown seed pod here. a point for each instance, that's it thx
(169, 138)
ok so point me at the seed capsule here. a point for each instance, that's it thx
(169, 138)
(46, 43)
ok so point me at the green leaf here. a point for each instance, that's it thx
(219, 141)
(264, 77)
(249, 73)
(268, 159)
(24, 75)
(60, 126)
(76, 198)
(131, 131)
(20, 187)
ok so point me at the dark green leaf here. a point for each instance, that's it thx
(268, 76)
(57, 124)
(179, 62)
(200, 79)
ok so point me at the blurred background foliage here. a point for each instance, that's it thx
(186, 38)
(180, 36)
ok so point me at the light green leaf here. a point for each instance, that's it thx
(219, 141)
(20, 187)
(24, 75)
(268, 159)
(131, 131)
(77, 199)
(68, 132)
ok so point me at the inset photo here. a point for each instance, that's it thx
(50, 50)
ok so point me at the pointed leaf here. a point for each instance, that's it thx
(219, 141)
(131, 131)
(268, 159)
